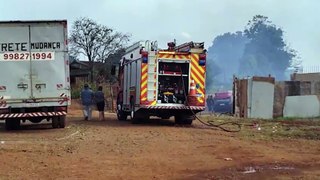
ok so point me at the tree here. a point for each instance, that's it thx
(226, 51)
(95, 41)
(266, 52)
(112, 60)
(213, 70)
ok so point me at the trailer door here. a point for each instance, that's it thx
(49, 59)
(14, 61)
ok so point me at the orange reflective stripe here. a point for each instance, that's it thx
(198, 74)
(144, 79)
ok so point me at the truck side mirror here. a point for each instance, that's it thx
(113, 70)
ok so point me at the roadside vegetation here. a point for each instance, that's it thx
(292, 128)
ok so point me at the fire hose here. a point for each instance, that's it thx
(210, 123)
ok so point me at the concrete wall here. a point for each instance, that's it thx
(261, 97)
(292, 88)
(302, 106)
(313, 78)
(306, 77)
(261, 100)
(254, 97)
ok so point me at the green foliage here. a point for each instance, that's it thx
(96, 41)
(212, 71)
(224, 57)
(76, 90)
(112, 60)
(75, 93)
(285, 128)
(266, 52)
(259, 50)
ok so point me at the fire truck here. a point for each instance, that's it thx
(162, 82)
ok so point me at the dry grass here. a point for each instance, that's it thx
(272, 129)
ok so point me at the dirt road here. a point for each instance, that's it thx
(156, 149)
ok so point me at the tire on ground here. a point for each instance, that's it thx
(62, 121)
(134, 117)
(188, 119)
(36, 119)
(55, 122)
(12, 124)
(165, 117)
(121, 115)
(184, 119)
(138, 117)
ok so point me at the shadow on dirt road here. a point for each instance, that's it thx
(113, 122)
(110, 122)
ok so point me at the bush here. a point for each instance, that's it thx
(76, 89)
(75, 93)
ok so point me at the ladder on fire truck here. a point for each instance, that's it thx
(151, 47)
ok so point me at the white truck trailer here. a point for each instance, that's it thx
(34, 72)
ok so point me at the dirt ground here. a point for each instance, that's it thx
(156, 149)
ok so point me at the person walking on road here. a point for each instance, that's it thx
(87, 100)
(100, 102)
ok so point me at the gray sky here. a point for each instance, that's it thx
(184, 20)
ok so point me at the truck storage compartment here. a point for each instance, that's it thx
(173, 82)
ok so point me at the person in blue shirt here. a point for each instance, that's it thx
(100, 102)
(87, 100)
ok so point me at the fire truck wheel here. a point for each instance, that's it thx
(184, 119)
(188, 120)
(12, 124)
(122, 116)
(55, 122)
(138, 117)
(136, 121)
(134, 118)
(62, 121)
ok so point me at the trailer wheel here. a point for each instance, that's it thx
(36, 120)
(12, 124)
(165, 117)
(121, 115)
(62, 121)
(55, 122)
(178, 119)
